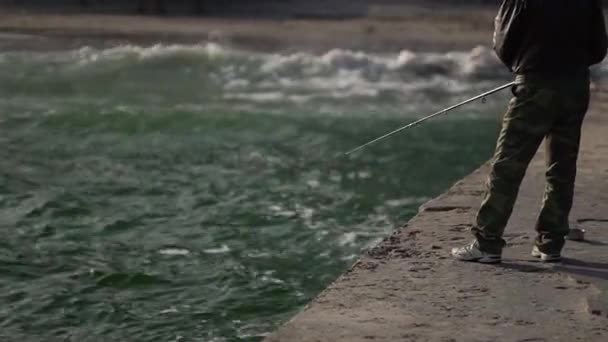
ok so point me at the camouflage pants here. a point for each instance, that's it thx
(552, 110)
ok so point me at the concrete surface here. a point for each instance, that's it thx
(408, 288)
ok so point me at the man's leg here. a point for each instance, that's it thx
(562, 144)
(527, 121)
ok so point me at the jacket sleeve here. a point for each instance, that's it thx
(599, 39)
(509, 30)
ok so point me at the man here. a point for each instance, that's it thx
(549, 45)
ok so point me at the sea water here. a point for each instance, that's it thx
(198, 193)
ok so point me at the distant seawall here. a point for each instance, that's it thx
(246, 8)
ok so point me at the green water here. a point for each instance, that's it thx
(138, 204)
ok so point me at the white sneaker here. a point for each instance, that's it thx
(473, 253)
(544, 256)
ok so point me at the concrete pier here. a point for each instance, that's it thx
(408, 288)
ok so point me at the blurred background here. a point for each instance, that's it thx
(248, 8)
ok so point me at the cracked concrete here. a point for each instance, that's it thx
(408, 288)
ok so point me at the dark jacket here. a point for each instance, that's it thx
(550, 36)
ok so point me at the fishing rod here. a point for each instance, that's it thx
(444, 111)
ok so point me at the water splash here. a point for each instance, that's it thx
(216, 75)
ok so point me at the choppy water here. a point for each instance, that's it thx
(191, 193)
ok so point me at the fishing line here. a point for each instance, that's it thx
(419, 121)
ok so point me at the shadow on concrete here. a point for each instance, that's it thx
(593, 243)
(574, 267)
(598, 270)
(525, 266)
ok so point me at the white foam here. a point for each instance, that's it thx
(348, 238)
(270, 279)
(220, 250)
(349, 257)
(88, 55)
(169, 311)
(406, 201)
(364, 174)
(237, 84)
(282, 212)
(305, 212)
(174, 251)
(256, 97)
(313, 183)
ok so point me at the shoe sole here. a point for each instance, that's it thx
(547, 257)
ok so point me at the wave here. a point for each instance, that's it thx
(480, 61)
(186, 75)
(239, 75)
